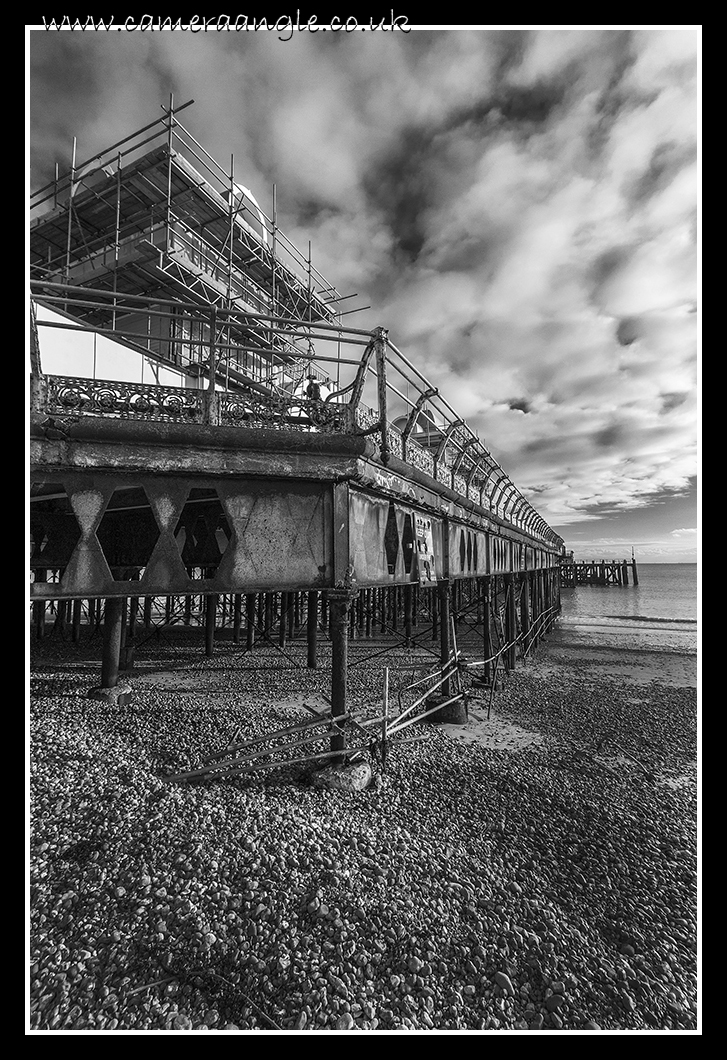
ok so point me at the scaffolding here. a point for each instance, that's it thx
(155, 215)
(179, 263)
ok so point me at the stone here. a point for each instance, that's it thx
(554, 1002)
(355, 776)
(504, 982)
(345, 1022)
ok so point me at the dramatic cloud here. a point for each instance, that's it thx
(518, 208)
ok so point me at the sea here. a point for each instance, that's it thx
(660, 613)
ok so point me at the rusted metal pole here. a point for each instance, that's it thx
(511, 622)
(282, 619)
(210, 615)
(525, 609)
(339, 602)
(76, 621)
(112, 625)
(312, 629)
(486, 630)
(236, 617)
(444, 629)
(408, 613)
(250, 619)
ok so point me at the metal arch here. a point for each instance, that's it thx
(493, 469)
(518, 504)
(530, 517)
(416, 409)
(502, 483)
(476, 465)
(513, 496)
(445, 440)
(462, 453)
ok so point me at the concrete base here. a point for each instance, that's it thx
(352, 777)
(115, 697)
(453, 714)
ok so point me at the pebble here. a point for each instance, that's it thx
(339, 910)
(504, 982)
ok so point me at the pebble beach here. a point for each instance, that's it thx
(534, 869)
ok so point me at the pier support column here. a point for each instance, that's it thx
(486, 630)
(339, 606)
(408, 613)
(525, 610)
(283, 620)
(312, 629)
(112, 629)
(76, 621)
(59, 626)
(236, 618)
(210, 616)
(444, 597)
(249, 620)
(39, 608)
(510, 621)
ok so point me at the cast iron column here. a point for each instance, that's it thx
(339, 602)
(113, 615)
(312, 629)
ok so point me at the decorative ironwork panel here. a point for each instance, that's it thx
(396, 447)
(474, 494)
(419, 457)
(460, 484)
(144, 401)
(282, 413)
(366, 417)
(444, 475)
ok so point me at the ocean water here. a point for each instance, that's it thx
(660, 612)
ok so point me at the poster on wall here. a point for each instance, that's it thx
(425, 550)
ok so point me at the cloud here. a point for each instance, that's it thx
(688, 531)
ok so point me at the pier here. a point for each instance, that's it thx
(277, 470)
(599, 572)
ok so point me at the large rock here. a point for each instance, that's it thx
(354, 776)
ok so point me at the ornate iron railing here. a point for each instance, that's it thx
(283, 413)
(104, 397)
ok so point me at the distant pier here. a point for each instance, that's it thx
(599, 572)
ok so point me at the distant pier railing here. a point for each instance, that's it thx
(599, 572)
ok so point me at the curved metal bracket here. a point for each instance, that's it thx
(443, 444)
(416, 409)
(462, 453)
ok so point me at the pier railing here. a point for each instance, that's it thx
(242, 379)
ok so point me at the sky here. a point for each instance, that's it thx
(518, 206)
